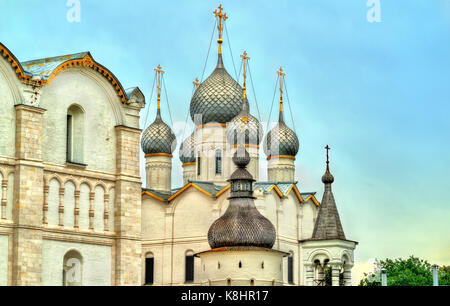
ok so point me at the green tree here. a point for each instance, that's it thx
(410, 272)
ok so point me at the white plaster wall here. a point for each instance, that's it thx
(309, 210)
(8, 114)
(153, 219)
(251, 267)
(83, 218)
(53, 202)
(96, 267)
(192, 214)
(3, 260)
(69, 204)
(102, 108)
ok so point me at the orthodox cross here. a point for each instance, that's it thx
(196, 83)
(221, 18)
(159, 71)
(245, 58)
(328, 149)
(281, 74)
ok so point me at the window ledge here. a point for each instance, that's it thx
(71, 164)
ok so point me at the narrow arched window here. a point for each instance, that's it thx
(72, 269)
(218, 162)
(291, 269)
(75, 135)
(189, 274)
(199, 165)
(149, 268)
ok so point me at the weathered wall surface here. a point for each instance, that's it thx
(96, 263)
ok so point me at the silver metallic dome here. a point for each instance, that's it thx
(218, 98)
(187, 150)
(244, 128)
(158, 137)
(281, 140)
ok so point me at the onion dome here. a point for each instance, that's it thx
(246, 125)
(218, 98)
(158, 137)
(281, 140)
(187, 154)
(241, 224)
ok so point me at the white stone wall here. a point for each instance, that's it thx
(241, 267)
(96, 263)
(3, 260)
(169, 230)
(102, 112)
(9, 95)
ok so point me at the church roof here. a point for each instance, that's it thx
(44, 67)
(47, 68)
(283, 189)
(328, 224)
(208, 188)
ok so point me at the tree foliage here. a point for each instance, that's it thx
(410, 272)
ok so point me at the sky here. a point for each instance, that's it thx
(377, 92)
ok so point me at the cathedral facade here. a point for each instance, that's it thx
(74, 212)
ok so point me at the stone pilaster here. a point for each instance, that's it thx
(309, 273)
(28, 197)
(348, 275)
(127, 221)
(335, 269)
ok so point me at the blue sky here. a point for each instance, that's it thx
(377, 93)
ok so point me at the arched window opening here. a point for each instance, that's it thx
(228, 282)
(291, 269)
(252, 282)
(149, 268)
(75, 135)
(72, 269)
(218, 162)
(199, 165)
(240, 264)
(189, 271)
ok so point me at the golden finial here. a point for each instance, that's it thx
(245, 58)
(196, 83)
(221, 17)
(281, 74)
(159, 72)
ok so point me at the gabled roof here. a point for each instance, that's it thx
(283, 189)
(40, 72)
(207, 188)
(214, 191)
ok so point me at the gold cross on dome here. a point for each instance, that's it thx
(159, 71)
(281, 74)
(196, 83)
(245, 58)
(221, 18)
